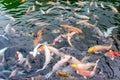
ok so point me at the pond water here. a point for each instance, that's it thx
(20, 19)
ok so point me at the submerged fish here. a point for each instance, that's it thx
(113, 9)
(13, 73)
(2, 51)
(58, 65)
(82, 16)
(84, 71)
(38, 37)
(72, 28)
(20, 58)
(112, 54)
(47, 58)
(99, 48)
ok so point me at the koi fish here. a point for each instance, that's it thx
(37, 77)
(10, 17)
(27, 64)
(98, 48)
(84, 71)
(58, 65)
(102, 5)
(35, 51)
(38, 36)
(82, 65)
(55, 51)
(23, 1)
(47, 58)
(38, 3)
(69, 38)
(89, 25)
(20, 58)
(82, 21)
(32, 19)
(42, 24)
(2, 51)
(113, 9)
(71, 28)
(13, 73)
(58, 39)
(62, 74)
(112, 54)
(81, 16)
(96, 5)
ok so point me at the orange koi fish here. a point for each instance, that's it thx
(38, 36)
(98, 48)
(112, 54)
(71, 28)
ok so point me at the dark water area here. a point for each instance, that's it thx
(20, 19)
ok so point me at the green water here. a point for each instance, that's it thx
(57, 16)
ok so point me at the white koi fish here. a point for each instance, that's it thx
(113, 9)
(81, 16)
(47, 58)
(2, 51)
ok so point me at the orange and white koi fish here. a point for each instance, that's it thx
(113, 9)
(71, 28)
(112, 54)
(81, 16)
(84, 70)
(47, 58)
(38, 36)
(13, 73)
